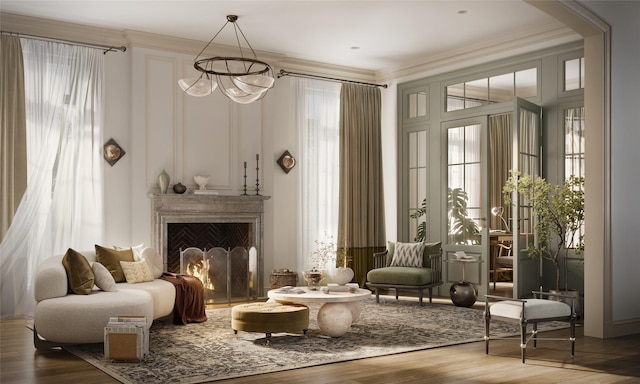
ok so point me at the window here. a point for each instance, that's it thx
(574, 152)
(495, 89)
(574, 74)
(317, 115)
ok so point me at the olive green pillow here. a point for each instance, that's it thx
(430, 249)
(79, 273)
(111, 259)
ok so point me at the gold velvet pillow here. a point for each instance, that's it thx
(111, 259)
(79, 273)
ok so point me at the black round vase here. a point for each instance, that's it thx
(179, 188)
(463, 293)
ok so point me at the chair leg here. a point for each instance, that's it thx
(535, 335)
(573, 335)
(523, 340)
(487, 319)
(377, 295)
(430, 295)
(420, 295)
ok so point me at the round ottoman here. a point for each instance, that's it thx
(270, 318)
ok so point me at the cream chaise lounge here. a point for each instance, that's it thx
(63, 318)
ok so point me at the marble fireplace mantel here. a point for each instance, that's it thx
(190, 208)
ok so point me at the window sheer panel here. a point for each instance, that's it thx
(317, 116)
(63, 203)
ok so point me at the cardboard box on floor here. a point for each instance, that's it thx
(126, 338)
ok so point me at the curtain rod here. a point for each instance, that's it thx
(106, 48)
(296, 74)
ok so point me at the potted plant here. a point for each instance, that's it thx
(462, 228)
(558, 216)
(421, 232)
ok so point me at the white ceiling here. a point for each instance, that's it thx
(388, 34)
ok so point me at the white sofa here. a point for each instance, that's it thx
(65, 318)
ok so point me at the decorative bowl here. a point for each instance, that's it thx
(201, 180)
(313, 277)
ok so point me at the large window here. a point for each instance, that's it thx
(317, 116)
(574, 152)
(493, 89)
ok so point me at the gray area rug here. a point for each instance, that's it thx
(210, 351)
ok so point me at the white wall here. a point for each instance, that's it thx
(625, 157)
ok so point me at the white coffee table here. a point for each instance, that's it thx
(338, 311)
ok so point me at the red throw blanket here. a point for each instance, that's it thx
(189, 306)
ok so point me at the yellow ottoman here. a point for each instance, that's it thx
(270, 318)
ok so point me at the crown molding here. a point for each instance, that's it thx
(519, 42)
(52, 29)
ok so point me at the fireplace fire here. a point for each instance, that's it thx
(227, 275)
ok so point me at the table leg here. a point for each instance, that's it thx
(334, 319)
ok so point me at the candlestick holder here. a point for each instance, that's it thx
(245, 179)
(257, 175)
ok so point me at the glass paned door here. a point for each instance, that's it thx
(526, 160)
(466, 201)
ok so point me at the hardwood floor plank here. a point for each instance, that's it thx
(596, 361)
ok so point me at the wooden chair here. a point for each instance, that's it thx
(502, 262)
(530, 311)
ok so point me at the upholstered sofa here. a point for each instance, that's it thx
(419, 269)
(63, 317)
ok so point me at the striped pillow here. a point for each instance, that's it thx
(408, 255)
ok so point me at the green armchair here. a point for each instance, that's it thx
(401, 274)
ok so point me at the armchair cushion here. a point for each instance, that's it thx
(400, 276)
(429, 249)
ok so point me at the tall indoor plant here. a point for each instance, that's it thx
(558, 216)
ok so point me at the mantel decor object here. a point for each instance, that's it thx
(179, 188)
(163, 181)
(286, 161)
(202, 181)
(112, 152)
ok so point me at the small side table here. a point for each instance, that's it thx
(464, 293)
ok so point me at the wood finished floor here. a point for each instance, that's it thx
(596, 361)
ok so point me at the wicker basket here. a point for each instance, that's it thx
(284, 278)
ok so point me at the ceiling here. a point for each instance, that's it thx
(371, 35)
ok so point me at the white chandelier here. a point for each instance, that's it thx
(241, 79)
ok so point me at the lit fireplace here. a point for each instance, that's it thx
(227, 233)
(227, 276)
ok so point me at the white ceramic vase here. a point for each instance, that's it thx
(342, 275)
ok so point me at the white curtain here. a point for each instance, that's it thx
(317, 117)
(62, 205)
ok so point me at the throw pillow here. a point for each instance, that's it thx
(111, 259)
(103, 278)
(408, 255)
(391, 248)
(430, 249)
(153, 258)
(79, 273)
(136, 249)
(136, 271)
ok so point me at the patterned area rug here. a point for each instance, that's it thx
(210, 351)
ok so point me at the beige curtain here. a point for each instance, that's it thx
(13, 132)
(361, 226)
(500, 154)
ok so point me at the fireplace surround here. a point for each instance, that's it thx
(207, 221)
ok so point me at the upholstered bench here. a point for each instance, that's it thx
(270, 318)
(530, 311)
(423, 273)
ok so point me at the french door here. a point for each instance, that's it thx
(467, 194)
